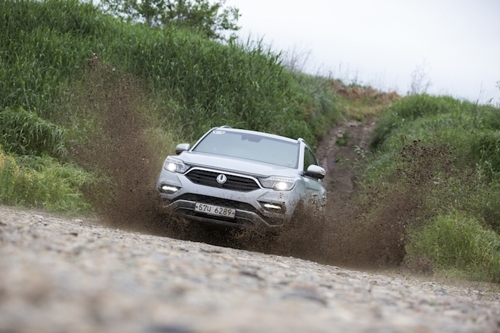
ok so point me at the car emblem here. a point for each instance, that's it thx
(221, 179)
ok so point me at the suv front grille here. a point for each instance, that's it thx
(209, 178)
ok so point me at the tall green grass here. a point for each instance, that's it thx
(318, 102)
(44, 44)
(460, 244)
(25, 133)
(42, 182)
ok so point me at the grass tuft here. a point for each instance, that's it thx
(458, 242)
(25, 133)
(42, 182)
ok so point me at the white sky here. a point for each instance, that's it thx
(455, 43)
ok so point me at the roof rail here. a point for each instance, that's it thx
(224, 126)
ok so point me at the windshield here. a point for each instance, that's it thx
(250, 146)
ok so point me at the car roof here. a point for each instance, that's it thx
(269, 135)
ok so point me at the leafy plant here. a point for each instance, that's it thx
(360, 151)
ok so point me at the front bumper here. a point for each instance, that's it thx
(243, 218)
(258, 207)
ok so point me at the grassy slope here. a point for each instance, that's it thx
(46, 44)
(437, 165)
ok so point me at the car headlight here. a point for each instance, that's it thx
(175, 165)
(278, 183)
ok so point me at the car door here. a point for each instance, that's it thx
(315, 192)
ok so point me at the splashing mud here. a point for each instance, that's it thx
(118, 151)
(127, 198)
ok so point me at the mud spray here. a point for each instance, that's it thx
(118, 151)
(126, 197)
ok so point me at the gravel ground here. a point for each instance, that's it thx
(74, 275)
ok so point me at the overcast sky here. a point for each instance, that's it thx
(453, 44)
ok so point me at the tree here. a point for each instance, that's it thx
(207, 17)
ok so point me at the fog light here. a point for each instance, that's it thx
(272, 206)
(169, 189)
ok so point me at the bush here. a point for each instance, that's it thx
(42, 182)
(409, 109)
(24, 133)
(437, 156)
(486, 150)
(459, 241)
(317, 98)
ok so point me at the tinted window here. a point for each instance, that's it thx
(251, 147)
(309, 158)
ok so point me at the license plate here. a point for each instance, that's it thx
(214, 210)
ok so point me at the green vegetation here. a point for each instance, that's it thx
(460, 244)
(438, 159)
(360, 102)
(42, 182)
(25, 133)
(70, 75)
(343, 140)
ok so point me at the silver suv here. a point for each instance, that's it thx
(236, 177)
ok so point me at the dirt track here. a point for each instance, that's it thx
(73, 275)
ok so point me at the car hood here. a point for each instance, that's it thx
(236, 165)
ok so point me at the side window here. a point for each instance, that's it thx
(309, 158)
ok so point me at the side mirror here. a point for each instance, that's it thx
(182, 147)
(315, 171)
